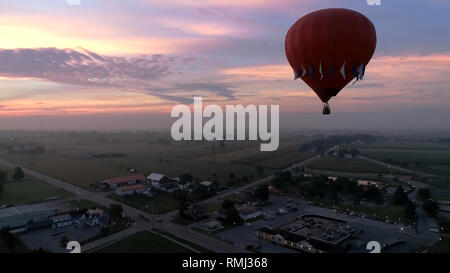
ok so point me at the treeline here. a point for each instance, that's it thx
(325, 143)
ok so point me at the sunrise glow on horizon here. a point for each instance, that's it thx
(146, 56)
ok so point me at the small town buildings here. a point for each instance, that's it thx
(131, 189)
(185, 186)
(249, 212)
(117, 182)
(311, 233)
(19, 218)
(157, 179)
(211, 226)
(61, 220)
(94, 218)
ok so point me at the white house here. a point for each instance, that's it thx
(156, 179)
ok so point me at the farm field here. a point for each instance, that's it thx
(286, 155)
(66, 157)
(432, 158)
(145, 242)
(357, 165)
(28, 191)
(283, 161)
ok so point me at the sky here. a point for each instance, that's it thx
(110, 64)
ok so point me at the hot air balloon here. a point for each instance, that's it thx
(329, 48)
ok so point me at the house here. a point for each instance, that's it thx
(61, 220)
(197, 211)
(211, 226)
(185, 185)
(117, 182)
(249, 212)
(131, 189)
(94, 218)
(157, 179)
(207, 186)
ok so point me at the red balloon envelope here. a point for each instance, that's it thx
(329, 48)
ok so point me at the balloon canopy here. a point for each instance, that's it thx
(329, 48)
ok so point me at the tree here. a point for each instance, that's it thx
(430, 208)
(182, 206)
(372, 193)
(18, 173)
(2, 189)
(186, 177)
(262, 192)
(9, 239)
(354, 152)
(105, 231)
(410, 211)
(424, 193)
(232, 175)
(259, 169)
(227, 204)
(115, 210)
(63, 241)
(3, 176)
(231, 213)
(400, 197)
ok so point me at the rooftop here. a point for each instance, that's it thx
(17, 210)
(155, 176)
(124, 179)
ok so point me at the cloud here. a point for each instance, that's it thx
(155, 75)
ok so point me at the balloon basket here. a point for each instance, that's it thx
(326, 109)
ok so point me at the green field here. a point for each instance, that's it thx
(159, 203)
(357, 165)
(19, 248)
(65, 155)
(29, 190)
(146, 152)
(145, 242)
(432, 158)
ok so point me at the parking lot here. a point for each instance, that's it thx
(373, 230)
(50, 239)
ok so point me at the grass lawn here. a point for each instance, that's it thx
(391, 212)
(29, 190)
(358, 165)
(145, 242)
(86, 204)
(162, 202)
(20, 247)
(423, 157)
(284, 161)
